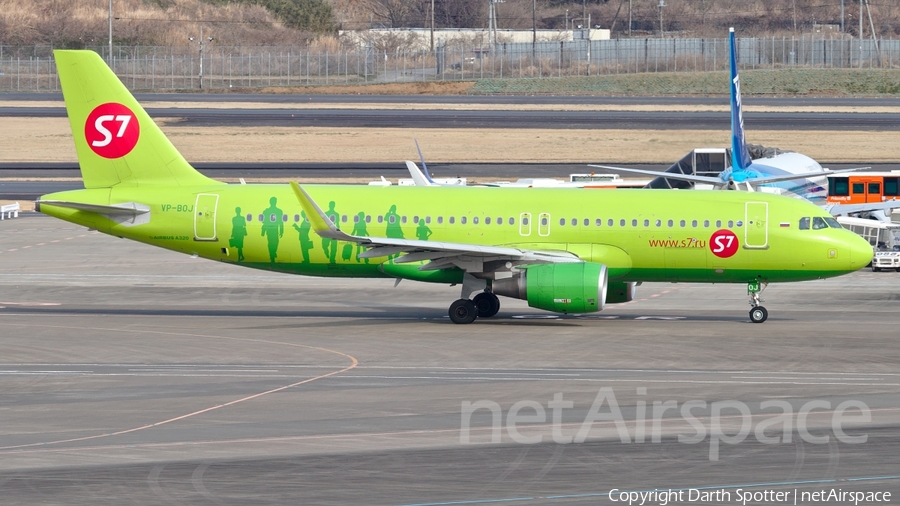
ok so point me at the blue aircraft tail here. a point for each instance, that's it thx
(740, 157)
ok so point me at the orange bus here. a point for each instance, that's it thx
(863, 187)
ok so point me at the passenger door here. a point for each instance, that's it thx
(756, 223)
(205, 217)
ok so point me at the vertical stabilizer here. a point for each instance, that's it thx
(740, 157)
(116, 141)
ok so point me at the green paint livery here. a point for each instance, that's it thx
(560, 249)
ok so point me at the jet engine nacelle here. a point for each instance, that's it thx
(563, 288)
(621, 291)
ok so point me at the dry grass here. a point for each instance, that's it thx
(159, 22)
(49, 140)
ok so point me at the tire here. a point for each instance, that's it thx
(758, 314)
(487, 304)
(463, 311)
(875, 269)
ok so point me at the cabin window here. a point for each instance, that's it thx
(646, 223)
(428, 219)
(284, 218)
(296, 218)
(392, 219)
(671, 223)
(355, 218)
(682, 223)
(730, 223)
(739, 223)
(598, 222)
(368, 218)
(524, 220)
(544, 221)
(587, 222)
(859, 188)
(562, 222)
(403, 219)
(804, 224)
(705, 223)
(440, 220)
(452, 220)
(249, 217)
(272, 217)
(818, 223)
(415, 219)
(610, 222)
(658, 223)
(694, 223)
(574, 222)
(891, 187)
(262, 218)
(475, 220)
(380, 219)
(718, 223)
(622, 223)
(462, 220)
(487, 220)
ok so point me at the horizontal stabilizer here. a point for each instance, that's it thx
(124, 209)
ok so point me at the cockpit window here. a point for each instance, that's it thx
(818, 223)
(804, 224)
(833, 223)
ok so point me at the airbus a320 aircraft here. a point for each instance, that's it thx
(561, 250)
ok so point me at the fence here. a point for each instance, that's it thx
(32, 68)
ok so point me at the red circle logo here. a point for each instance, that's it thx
(111, 130)
(723, 243)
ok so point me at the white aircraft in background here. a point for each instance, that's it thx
(775, 171)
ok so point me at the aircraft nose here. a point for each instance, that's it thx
(861, 252)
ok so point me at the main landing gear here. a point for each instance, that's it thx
(483, 305)
(758, 314)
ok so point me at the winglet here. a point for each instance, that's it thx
(319, 221)
(740, 157)
(418, 178)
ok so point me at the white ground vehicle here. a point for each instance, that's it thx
(884, 238)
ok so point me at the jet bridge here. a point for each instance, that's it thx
(709, 162)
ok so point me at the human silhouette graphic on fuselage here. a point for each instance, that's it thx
(305, 242)
(238, 232)
(273, 227)
(359, 230)
(329, 246)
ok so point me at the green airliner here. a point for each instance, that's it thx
(568, 251)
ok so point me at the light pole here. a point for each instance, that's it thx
(209, 39)
(109, 56)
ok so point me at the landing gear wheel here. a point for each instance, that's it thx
(875, 269)
(463, 311)
(758, 314)
(487, 304)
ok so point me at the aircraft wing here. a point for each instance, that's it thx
(845, 209)
(669, 175)
(802, 175)
(441, 255)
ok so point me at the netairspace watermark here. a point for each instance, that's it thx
(743, 496)
(728, 421)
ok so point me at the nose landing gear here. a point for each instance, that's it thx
(758, 314)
